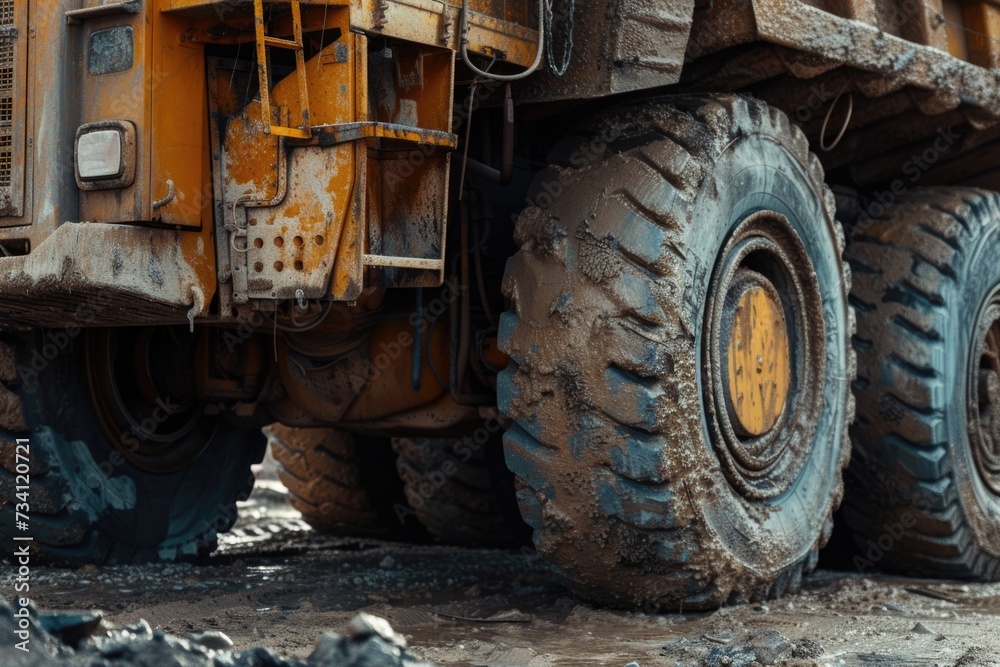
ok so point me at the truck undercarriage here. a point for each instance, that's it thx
(219, 215)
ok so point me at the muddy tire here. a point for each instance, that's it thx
(461, 494)
(88, 504)
(924, 485)
(629, 470)
(343, 484)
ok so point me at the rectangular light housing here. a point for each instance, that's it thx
(99, 155)
(105, 155)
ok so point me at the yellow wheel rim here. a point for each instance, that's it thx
(759, 362)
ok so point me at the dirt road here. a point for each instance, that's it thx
(276, 583)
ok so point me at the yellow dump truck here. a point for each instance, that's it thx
(688, 257)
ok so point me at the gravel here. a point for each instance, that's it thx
(83, 639)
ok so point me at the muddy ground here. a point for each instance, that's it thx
(275, 582)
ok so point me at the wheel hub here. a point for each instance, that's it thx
(985, 398)
(763, 357)
(141, 384)
(757, 372)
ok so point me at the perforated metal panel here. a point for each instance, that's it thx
(8, 44)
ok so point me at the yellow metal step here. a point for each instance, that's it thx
(293, 132)
(279, 43)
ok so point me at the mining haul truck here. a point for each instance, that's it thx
(634, 262)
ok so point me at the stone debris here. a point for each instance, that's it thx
(213, 639)
(372, 650)
(807, 648)
(730, 656)
(81, 639)
(71, 628)
(978, 656)
(365, 625)
(769, 646)
(765, 647)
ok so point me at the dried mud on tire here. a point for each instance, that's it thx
(618, 475)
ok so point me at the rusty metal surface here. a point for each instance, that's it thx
(300, 121)
(492, 29)
(124, 95)
(296, 211)
(291, 220)
(290, 247)
(404, 262)
(949, 81)
(435, 23)
(102, 10)
(226, 9)
(891, 65)
(44, 79)
(336, 134)
(408, 184)
(283, 237)
(365, 381)
(758, 368)
(154, 270)
(102, 274)
(179, 147)
(365, 198)
(163, 94)
(984, 396)
(983, 21)
(619, 46)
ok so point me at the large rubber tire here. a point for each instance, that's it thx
(923, 274)
(618, 465)
(461, 492)
(86, 503)
(341, 483)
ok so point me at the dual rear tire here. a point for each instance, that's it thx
(341, 483)
(924, 483)
(406, 488)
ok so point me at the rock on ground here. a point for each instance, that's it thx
(70, 639)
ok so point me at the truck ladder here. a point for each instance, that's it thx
(265, 41)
